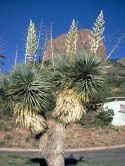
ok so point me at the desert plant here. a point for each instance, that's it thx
(104, 117)
(4, 100)
(88, 119)
(8, 137)
(30, 95)
(75, 83)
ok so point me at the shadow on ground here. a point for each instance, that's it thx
(71, 160)
(42, 162)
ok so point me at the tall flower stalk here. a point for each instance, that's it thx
(71, 39)
(31, 43)
(96, 38)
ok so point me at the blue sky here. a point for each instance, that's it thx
(16, 14)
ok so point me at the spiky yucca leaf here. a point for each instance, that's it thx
(68, 107)
(86, 76)
(30, 88)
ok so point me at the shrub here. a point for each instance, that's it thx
(94, 118)
(2, 143)
(88, 119)
(104, 117)
(8, 137)
(3, 125)
(7, 112)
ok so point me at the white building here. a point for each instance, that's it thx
(119, 110)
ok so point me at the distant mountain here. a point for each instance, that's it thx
(83, 43)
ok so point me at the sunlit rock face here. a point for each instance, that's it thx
(83, 43)
(121, 61)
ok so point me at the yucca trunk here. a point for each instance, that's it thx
(68, 109)
(52, 145)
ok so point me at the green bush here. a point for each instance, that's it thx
(101, 119)
(104, 117)
(7, 112)
(2, 143)
(8, 137)
(2, 125)
(88, 119)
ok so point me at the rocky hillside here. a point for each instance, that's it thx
(121, 61)
(116, 77)
(83, 43)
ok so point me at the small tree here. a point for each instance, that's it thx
(104, 117)
(31, 43)
(1, 61)
(74, 84)
(2, 54)
(71, 40)
(29, 94)
(96, 40)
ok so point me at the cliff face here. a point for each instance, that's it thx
(83, 43)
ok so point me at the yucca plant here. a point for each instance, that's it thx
(73, 82)
(76, 82)
(29, 91)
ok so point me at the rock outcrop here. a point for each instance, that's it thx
(121, 61)
(83, 43)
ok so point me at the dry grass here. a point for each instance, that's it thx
(87, 137)
(12, 136)
(76, 136)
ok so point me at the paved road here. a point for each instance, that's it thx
(101, 156)
(114, 155)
